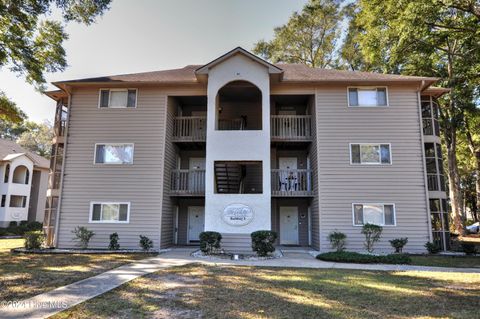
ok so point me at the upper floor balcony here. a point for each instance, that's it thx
(291, 127)
(190, 129)
(187, 182)
(291, 182)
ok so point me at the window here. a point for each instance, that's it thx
(18, 201)
(7, 173)
(4, 198)
(118, 98)
(114, 154)
(367, 97)
(370, 154)
(109, 212)
(378, 214)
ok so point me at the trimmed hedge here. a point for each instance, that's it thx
(352, 257)
(19, 229)
(210, 241)
(33, 239)
(263, 242)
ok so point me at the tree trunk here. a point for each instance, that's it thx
(475, 150)
(454, 183)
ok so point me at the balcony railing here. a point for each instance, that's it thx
(291, 127)
(237, 124)
(190, 129)
(54, 180)
(187, 182)
(436, 182)
(291, 182)
(60, 127)
(430, 127)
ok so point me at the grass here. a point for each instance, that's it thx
(446, 261)
(195, 291)
(23, 276)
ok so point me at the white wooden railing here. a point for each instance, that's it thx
(291, 182)
(188, 182)
(190, 128)
(291, 127)
(237, 124)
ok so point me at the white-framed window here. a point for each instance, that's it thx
(117, 98)
(377, 213)
(370, 154)
(113, 153)
(367, 96)
(109, 212)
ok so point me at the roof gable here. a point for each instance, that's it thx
(272, 69)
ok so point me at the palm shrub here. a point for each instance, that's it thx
(33, 239)
(83, 236)
(263, 242)
(145, 243)
(372, 235)
(337, 240)
(433, 248)
(114, 245)
(398, 244)
(210, 241)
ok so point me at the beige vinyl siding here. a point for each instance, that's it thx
(167, 228)
(314, 205)
(141, 183)
(341, 184)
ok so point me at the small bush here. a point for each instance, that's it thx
(210, 241)
(398, 244)
(145, 243)
(352, 257)
(469, 248)
(372, 235)
(433, 248)
(33, 239)
(83, 235)
(33, 226)
(337, 240)
(114, 245)
(263, 242)
(12, 224)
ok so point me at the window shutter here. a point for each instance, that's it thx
(389, 215)
(353, 97)
(358, 214)
(104, 97)
(385, 153)
(381, 96)
(132, 97)
(97, 208)
(355, 149)
(123, 212)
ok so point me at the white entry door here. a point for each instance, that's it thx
(288, 173)
(288, 225)
(196, 178)
(196, 222)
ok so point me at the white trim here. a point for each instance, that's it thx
(112, 144)
(374, 144)
(367, 87)
(188, 221)
(109, 96)
(91, 221)
(383, 204)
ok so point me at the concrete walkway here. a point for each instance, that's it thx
(52, 302)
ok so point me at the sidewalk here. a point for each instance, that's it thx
(50, 303)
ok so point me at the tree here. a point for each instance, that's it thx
(37, 138)
(32, 47)
(432, 38)
(309, 37)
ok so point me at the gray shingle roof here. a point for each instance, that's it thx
(9, 147)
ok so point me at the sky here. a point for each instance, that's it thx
(149, 35)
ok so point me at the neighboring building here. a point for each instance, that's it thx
(24, 177)
(239, 145)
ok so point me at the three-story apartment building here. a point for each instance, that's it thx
(239, 145)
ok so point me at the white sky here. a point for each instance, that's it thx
(141, 35)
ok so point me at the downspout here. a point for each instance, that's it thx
(424, 164)
(65, 143)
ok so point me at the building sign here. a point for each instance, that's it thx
(237, 214)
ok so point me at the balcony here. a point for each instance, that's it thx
(189, 129)
(430, 127)
(291, 127)
(436, 182)
(187, 182)
(291, 182)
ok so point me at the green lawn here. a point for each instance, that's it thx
(196, 291)
(446, 261)
(23, 276)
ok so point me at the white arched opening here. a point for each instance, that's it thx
(21, 175)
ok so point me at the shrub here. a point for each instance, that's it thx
(83, 235)
(33, 226)
(210, 241)
(114, 245)
(337, 240)
(12, 224)
(146, 243)
(398, 244)
(469, 248)
(372, 235)
(263, 242)
(352, 257)
(33, 239)
(433, 248)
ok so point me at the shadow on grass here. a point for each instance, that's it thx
(248, 292)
